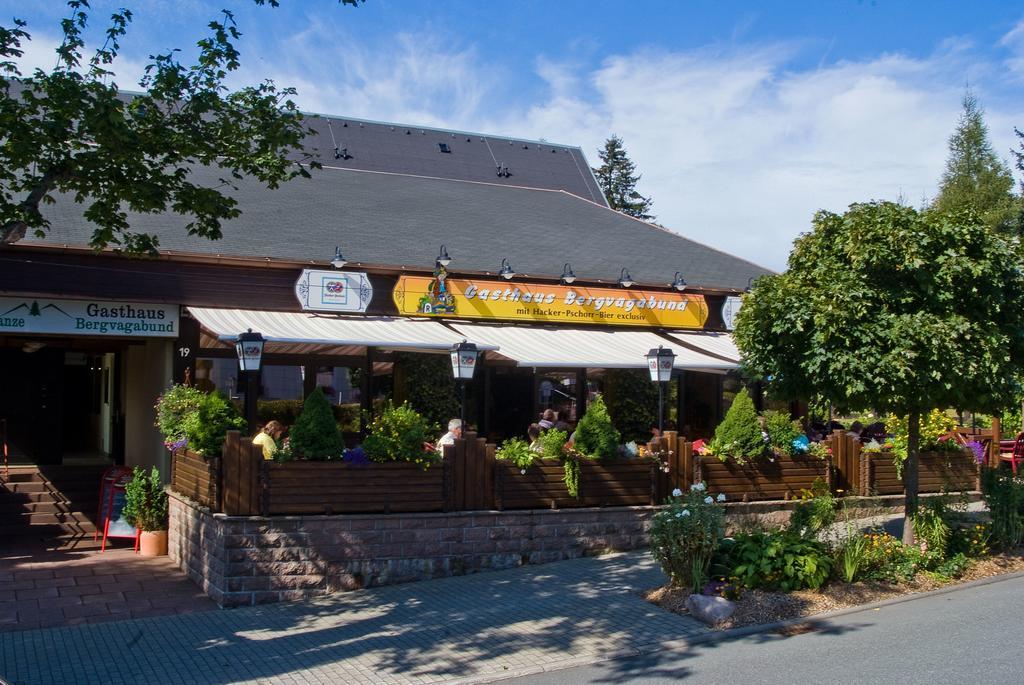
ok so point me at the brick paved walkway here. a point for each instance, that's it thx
(42, 587)
(471, 627)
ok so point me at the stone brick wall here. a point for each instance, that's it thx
(242, 561)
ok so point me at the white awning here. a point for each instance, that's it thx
(720, 344)
(306, 332)
(546, 347)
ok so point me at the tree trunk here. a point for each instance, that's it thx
(910, 476)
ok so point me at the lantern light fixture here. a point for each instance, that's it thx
(567, 275)
(464, 355)
(678, 282)
(506, 270)
(249, 349)
(660, 363)
(442, 258)
(625, 280)
(339, 260)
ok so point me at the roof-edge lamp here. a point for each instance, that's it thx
(625, 280)
(339, 259)
(678, 282)
(442, 257)
(567, 275)
(506, 270)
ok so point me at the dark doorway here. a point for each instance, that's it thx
(510, 402)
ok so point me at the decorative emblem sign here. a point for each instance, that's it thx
(730, 308)
(333, 291)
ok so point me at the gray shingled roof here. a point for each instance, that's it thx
(396, 220)
(406, 149)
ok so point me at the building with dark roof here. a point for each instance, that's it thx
(584, 289)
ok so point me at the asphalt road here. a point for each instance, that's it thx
(970, 635)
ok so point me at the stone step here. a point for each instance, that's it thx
(44, 506)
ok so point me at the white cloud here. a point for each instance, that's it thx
(737, 148)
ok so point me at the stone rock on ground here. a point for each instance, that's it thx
(710, 610)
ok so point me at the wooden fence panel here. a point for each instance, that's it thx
(542, 486)
(323, 487)
(783, 478)
(196, 477)
(241, 466)
(937, 472)
(618, 482)
(846, 461)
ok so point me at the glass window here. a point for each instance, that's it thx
(336, 384)
(281, 382)
(557, 391)
(220, 374)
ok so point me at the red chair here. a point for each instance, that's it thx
(1016, 456)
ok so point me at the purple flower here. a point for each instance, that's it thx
(355, 456)
(978, 450)
(176, 445)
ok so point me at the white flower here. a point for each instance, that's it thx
(677, 493)
(721, 497)
(679, 515)
(708, 500)
(684, 512)
(699, 487)
(523, 471)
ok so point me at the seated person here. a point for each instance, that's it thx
(548, 419)
(267, 438)
(449, 438)
(533, 434)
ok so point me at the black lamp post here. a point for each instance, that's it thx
(249, 349)
(464, 356)
(660, 362)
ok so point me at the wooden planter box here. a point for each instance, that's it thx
(311, 487)
(541, 487)
(618, 482)
(196, 477)
(937, 472)
(761, 479)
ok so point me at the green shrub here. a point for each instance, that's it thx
(287, 412)
(954, 567)
(782, 431)
(207, 428)
(780, 560)
(315, 434)
(888, 559)
(145, 501)
(173, 408)
(1004, 496)
(814, 512)
(852, 557)
(430, 387)
(685, 536)
(632, 401)
(552, 444)
(517, 451)
(595, 435)
(739, 436)
(398, 434)
(970, 540)
(931, 528)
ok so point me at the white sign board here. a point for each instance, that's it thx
(730, 309)
(27, 315)
(333, 291)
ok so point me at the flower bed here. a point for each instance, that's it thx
(937, 472)
(307, 487)
(761, 479)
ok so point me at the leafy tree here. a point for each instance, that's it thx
(632, 401)
(315, 434)
(595, 434)
(975, 177)
(398, 434)
(618, 178)
(888, 308)
(68, 131)
(207, 428)
(429, 386)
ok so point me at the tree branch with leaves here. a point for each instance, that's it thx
(69, 132)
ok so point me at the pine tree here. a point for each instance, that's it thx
(618, 178)
(315, 434)
(975, 177)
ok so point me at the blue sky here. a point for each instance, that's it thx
(744, 117)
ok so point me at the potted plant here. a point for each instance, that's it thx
(145, 507)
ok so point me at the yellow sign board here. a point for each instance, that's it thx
(503, 300)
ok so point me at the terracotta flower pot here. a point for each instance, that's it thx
(153, 543)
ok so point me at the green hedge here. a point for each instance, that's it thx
(287, 411)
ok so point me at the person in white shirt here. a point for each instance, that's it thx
(454, 432)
